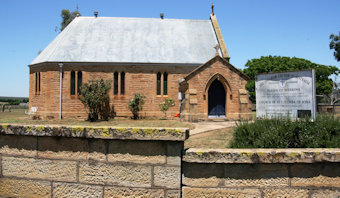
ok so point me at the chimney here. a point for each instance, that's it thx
(162, 15)
(96, 14)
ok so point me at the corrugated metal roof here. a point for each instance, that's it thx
(132, 40)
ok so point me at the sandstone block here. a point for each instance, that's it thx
(18, 145)
(62, 148)
(243, 92)
(168, 177)
(24, 188)
(143, 152)
(55, 170)
(326, 193)
(174, 153)
(318, 175)
(97, 150)
(247, 175)
(173, 193)
(203, 175)
(114, 174)
(76, 190)
(132, 192)
(219, 192)
(287, 193)
(193, 100)
(192, 91)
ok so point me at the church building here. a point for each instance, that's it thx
(183, 59)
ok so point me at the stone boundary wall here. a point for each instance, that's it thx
(65, 161)
(51, 161)
(261, 173)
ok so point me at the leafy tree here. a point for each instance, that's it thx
(94, 96)
(67, 17)
(164, 106)
(136, 104)
(266, 64)
(335, 44)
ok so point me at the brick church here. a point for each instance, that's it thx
(183, 59)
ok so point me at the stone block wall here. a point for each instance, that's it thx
(261, 173)
(64, 161)
(42, 161)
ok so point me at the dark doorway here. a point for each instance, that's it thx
(216, 99)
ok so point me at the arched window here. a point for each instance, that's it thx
(115, 83)
(159, 83)
(165, 83)
(79, 81)
(39, 82)
(73, 83)
(36, 83)
(122, 83)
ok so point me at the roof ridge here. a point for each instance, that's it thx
(133, 18)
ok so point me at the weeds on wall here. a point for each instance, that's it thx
(324, 132)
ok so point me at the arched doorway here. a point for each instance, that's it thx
(216, 99)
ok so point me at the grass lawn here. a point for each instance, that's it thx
(216, 139)
(18, 116)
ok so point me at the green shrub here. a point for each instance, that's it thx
(136, 104)
(94, 96)
(324, 132)
(164, 106)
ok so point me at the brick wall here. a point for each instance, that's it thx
(143, 79)
(197, 85)
(66, 162)
(138, 79)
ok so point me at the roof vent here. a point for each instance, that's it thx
(96, 14)
(162, 15)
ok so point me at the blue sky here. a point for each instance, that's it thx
(250, 28)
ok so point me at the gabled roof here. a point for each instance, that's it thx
(211, 61)
(132, 40)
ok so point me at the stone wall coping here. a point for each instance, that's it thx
(250, 156)
(98, 132)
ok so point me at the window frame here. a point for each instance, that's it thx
(73, 83)
(122, 83)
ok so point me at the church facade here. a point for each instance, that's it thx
(182, 59)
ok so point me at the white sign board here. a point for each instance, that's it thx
(286, 94)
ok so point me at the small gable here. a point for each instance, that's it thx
(211, 62)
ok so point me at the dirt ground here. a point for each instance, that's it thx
(18, 116)
(213, 139)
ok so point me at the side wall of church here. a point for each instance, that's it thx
(138, 79)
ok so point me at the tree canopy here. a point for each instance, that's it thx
(335, 44)
(67, 17)
(267, 64)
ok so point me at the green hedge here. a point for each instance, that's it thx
(277, 133)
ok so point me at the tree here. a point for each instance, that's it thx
(67, 17)
(335, 44)
(95, 98)
(136, 105)
(266, 64)
(164, 106)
